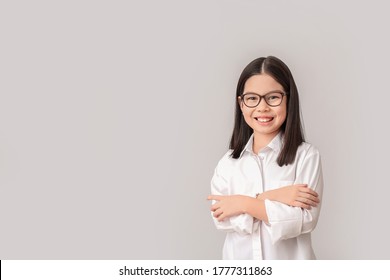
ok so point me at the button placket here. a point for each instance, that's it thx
(256, 240)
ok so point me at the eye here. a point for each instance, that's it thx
(251, 98)
(274, 96)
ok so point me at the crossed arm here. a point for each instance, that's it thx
(231, 205)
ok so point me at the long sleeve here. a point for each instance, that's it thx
(243, 223)
(287, 222)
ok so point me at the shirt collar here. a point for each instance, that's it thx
(275, 144)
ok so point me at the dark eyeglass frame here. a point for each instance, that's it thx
(261, 97)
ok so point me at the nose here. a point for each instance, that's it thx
(263, 106)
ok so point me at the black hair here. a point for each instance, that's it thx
(291, 129)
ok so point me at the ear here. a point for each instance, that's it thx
(240, 103)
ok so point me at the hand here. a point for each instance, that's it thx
(295, 195)
(227, 205)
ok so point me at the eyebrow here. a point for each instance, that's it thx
(272, 91)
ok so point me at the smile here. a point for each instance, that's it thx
(264, 120)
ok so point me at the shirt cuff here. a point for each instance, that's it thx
(283, 221)
(242, 224)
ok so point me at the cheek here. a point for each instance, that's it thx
(282, 115)
(247, 111)
(247, 115)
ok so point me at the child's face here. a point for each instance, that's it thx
(264, 119)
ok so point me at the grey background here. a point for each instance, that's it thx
(113, 115)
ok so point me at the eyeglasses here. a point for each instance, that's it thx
(273, 99)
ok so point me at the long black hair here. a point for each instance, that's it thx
(291, 129)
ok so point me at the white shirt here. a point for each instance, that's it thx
(287, 234)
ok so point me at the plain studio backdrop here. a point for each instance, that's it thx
(114, 114)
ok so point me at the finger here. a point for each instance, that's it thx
(217, 213)
(308, 190)
(215, 206)
(221, 217)
(302, 205)
(306, 201)
(214, 197)
(310, 196)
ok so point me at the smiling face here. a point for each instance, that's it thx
(264, 119)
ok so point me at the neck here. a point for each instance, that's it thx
(262, 140)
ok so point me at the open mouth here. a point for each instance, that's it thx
(264, 119)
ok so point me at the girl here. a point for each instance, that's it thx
(266, 188)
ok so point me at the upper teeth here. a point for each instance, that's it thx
(264, 119)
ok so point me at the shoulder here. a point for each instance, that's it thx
(226, 163)
(307, 151)
(226, 159)
(308, 148)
